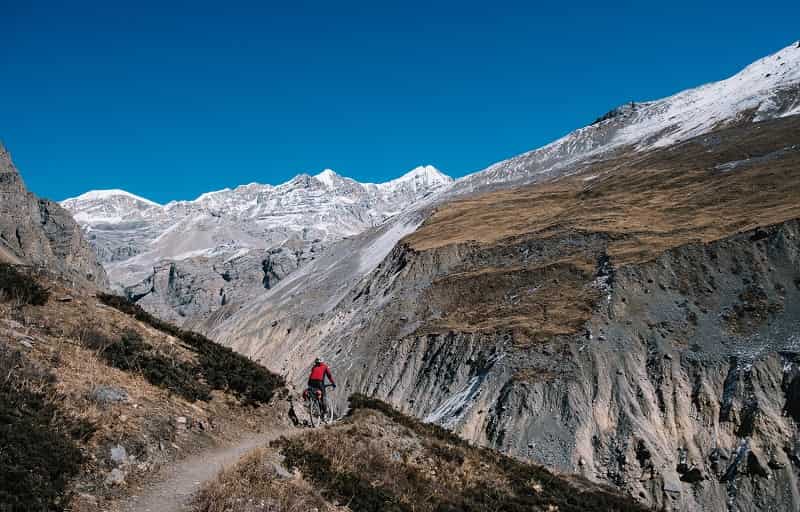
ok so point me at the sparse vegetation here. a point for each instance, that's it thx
(219, 366)
(382, 460)
(131, 353)
(254, 485)
(21, 287)
(39, 450)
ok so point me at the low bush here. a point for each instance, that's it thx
(253, 485)
(219, 366)
(359, 401)
(131, 353)
(356, 491)
(39, 450)
(21, 287)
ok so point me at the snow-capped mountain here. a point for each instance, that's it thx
(766, 89)
(137, 238)
(326, 206)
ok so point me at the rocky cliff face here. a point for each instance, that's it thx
(634, 321)
(41, 233)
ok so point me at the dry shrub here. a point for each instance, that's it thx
(20, 287)
(220, 367)
(39, 450)
(131, 353)
(253, 485)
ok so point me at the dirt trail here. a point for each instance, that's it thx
(179, 481)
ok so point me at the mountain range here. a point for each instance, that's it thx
(187, 258)
(622, 303)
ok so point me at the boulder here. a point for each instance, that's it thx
(119, 455)
(116, 477)
(105, 395)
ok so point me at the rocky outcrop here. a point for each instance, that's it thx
(188, 292)
(41, 233)
(659, 394)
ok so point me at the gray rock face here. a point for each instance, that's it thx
(41, 233)
(187, 292)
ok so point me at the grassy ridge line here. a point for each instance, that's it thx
(519, 473)
(361, 492)
(220, 367)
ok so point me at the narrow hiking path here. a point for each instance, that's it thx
(179, 481)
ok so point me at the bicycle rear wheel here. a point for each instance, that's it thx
(313, 412)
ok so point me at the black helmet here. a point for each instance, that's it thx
(317, 361)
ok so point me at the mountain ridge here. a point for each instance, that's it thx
(765, 89)
(327, 177)
(184, 259)
(488, 333)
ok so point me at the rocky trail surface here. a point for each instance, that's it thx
(176, 483)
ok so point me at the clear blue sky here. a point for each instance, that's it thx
(171, 101)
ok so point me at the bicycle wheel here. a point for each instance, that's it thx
(313, 412)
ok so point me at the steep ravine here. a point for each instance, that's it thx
(677, 384)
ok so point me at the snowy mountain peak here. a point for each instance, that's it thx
(131, 234)
(110, 194)
(328, 177)
(422, 177)
(428, 173)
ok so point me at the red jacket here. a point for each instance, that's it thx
(319, 372)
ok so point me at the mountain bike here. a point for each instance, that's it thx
(315, 404)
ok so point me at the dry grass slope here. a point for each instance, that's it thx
(556, 235)
(381, 460)
(703, 189)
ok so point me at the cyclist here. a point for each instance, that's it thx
(316, 380)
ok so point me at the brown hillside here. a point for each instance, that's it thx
(555, 235)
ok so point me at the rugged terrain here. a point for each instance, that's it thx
(623, 304)
(186, 259)
(379, 460)
(630, 315)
